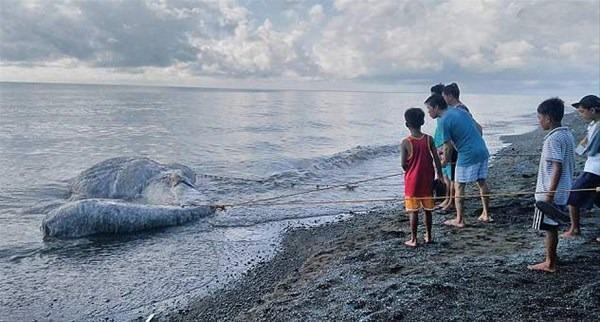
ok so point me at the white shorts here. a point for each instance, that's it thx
(472, 173)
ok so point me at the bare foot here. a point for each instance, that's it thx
(485, 218)
(543, 266)
(446, 210)
(570, 234)
(453, 222)
(448, 207)
(411, 243)
(428, 239)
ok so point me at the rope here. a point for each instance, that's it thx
(517, 155)
(352, 185)
(213, 176)
(323, 202)
(254, 201)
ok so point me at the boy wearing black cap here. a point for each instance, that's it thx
(589, 110)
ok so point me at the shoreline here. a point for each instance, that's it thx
(359, 269)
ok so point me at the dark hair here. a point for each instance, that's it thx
(436, 100)
(452, 89)
(415, 117)
(554, 108)
(437, 89)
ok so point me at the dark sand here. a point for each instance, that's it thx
(360, 269)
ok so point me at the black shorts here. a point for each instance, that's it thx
(548, 216)
(585, 199)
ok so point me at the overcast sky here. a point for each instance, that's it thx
(371, 44)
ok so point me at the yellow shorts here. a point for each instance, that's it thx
(416, 204)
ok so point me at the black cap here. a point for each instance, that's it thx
(588, 102)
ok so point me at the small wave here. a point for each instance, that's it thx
(43, 207)
(309, 169)
(58, 190)
(351, 157)
(16, 253)
(239, 222)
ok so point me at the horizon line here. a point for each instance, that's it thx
(233, 89)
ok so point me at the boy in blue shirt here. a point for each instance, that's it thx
(448, 170)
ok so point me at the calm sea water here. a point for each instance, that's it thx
(243, 144)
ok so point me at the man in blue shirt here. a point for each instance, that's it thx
(460, 131)
(451, 94)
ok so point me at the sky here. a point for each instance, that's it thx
(390, 45)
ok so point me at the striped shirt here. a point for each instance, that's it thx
(592, 164)
(558, 147)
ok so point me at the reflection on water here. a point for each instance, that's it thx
(281, 141)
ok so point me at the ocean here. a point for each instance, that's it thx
(243, 144)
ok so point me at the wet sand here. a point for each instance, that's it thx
(360, 269)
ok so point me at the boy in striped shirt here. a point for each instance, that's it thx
(555, 176)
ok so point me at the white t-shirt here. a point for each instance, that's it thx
(592, 164)
(558, 146)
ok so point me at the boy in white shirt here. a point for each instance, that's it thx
(555, 177)
(589, 110)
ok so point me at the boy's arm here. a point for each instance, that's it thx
(436, 158)
(404, 154)
(447, 156)
(556, 171)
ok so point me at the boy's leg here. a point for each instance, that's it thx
(459, 221)
(551, 244)
(551, 248)
(579, 199)
(444, 203)
(574, 230)
(428, 235)
(485, 200)
(450, 194)
(412, 216)
(452, 178)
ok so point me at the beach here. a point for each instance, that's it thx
(359, 269)
(269, 151)
(246, 160)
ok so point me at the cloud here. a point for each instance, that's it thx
(316, 13)
(131, 33)
(383, 40)
(512, 54)
(457, 37)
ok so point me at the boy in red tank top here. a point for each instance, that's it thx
(418, 155)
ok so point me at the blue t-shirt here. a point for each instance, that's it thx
(438, 139)
(458, 126)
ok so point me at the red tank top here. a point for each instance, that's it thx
(418, 179)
